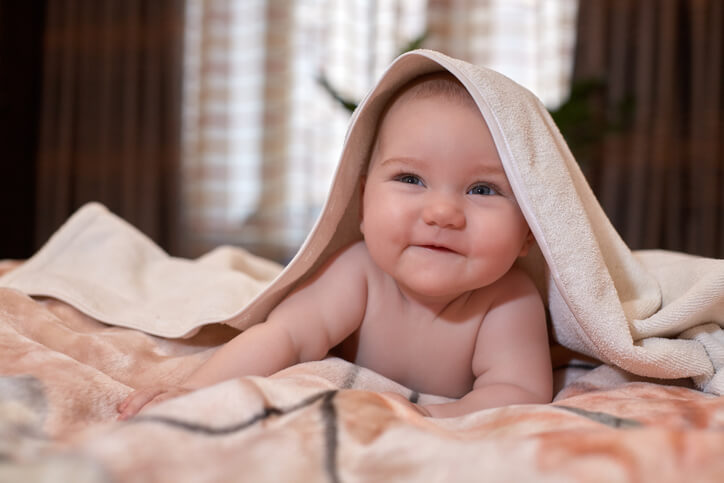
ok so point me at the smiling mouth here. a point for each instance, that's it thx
(438, 248)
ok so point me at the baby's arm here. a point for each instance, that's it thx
(512, 361)
(315, 317)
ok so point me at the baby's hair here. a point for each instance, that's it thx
(442, 84)
(430, 85)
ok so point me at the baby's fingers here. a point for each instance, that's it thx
(166, 395)
(122, 405)
(135, 401)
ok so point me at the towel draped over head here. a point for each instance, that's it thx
(656, 313)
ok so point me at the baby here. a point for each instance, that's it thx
(430, 298)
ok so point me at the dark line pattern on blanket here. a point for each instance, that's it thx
(603, 418)
(350, 378)
(222, 431)
(329, 416)
(414, 397)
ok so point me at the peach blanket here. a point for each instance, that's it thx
(63, 372)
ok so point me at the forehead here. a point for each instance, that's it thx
(437, 129)
(441, 85)
(443, 94)
(434, 105)
(436, 113)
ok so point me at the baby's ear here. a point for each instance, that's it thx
(529, 241)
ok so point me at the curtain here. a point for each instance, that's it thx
(658, 166)
(262, 134)
(531, 41)
(110, 118)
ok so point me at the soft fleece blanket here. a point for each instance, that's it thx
(116, 300)
(64, 372)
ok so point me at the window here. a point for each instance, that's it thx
(261, 134)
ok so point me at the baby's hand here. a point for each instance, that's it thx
(141, 398)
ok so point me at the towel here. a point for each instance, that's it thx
(656, 314)
(106, 268)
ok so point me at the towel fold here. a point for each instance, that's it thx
(109, 270)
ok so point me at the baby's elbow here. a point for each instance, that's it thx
(532, 394)
(288, 348)
(539, 384)
(540, 395)
(313, 347)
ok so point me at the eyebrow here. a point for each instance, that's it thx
(480, 170)
(400, 159)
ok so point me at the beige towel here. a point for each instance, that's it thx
(107, 269)
(656, 314)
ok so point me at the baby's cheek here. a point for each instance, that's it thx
(383, 228)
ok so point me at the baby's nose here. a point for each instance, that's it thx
(443, 211)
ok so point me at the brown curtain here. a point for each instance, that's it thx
(657, 165)
(110, 113)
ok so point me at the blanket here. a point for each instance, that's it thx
(100, 310)
(63, 373)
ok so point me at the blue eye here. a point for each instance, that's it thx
(482, 189)
(409, 179)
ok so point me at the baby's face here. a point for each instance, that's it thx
(439, 215)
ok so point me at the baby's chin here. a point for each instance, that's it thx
(444, 279)
(435, 290)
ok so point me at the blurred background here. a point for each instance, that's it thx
(210, 122)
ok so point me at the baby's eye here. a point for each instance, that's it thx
(482, 189)
(409, 179)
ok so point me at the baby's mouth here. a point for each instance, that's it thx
(438, 248)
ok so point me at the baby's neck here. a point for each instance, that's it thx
(432, 306)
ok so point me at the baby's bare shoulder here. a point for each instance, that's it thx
(356, 256)
(515, 283)
(346, 259)
(355, 251)
(513, 297)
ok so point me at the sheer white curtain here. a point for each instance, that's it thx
(261, 134)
